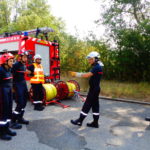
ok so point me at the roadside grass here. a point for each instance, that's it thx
(115, 89)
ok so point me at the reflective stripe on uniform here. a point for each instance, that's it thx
(3, 122)
(16, 112)
(8, 120)
(96, 114)
(37, 102)
(83, 113)
(7, 78)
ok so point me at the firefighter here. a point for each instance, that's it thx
(36, 81)
(6, 62)
(19, 70)
(92, 100)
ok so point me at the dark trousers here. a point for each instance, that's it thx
(21, 94)
(5, 105)
(92, 101)
(38, 94)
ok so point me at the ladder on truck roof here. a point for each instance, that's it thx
(43, 30)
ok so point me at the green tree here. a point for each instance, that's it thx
(4, 14)
(128, 23)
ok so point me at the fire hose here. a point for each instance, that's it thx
(54, 92)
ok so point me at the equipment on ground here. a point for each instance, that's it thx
(57, 91)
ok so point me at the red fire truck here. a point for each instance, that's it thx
(49, 51)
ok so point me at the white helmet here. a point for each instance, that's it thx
(37, 56)
(93, 55)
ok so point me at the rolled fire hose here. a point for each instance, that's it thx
(71, 88)
(50, 91)
(59, 90)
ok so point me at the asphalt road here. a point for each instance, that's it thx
(122, 127)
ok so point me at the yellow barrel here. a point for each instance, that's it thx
(71, 88)
(50, 91)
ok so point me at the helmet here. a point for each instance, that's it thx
(37, 56)
(93, 55)
(6, 57)
(23, 52)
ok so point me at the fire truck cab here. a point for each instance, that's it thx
(49, 51)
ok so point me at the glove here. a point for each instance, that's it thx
(28, 71)
(75, 74)
(71, 73)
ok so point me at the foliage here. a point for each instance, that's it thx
(28, 14)
(129, 26)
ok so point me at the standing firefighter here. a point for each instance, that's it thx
(36, 81)
(6, 62)
(92, 101)
(20, 87)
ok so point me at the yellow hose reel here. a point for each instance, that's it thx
(58, 91)
(50, 91)
(71, 88)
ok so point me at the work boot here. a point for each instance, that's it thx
(79, 120)
(23, 121)
(76, 122)
(15, 125)
(93, 124)
(9, 132)
(5, 137)
(147, 118)
(38, 107)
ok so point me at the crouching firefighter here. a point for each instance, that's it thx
(6, 62)
(37, 79)
(21, 92)
(92, 100)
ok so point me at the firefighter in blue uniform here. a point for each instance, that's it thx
(20, 87)
(6, 62)
(92, 100)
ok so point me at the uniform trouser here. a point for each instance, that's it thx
(92, 101)
(38, 94)
(5, 106)
(21, 93)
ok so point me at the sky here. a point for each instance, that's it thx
(79, 16)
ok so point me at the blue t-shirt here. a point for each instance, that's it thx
(94, 81)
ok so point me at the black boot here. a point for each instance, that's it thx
(4, 135)
(21, 120)
(147, 118)
(38, 107)
(93, 125)
(78, 121)
(11, 133)
(14, 124)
